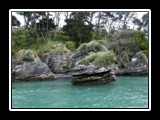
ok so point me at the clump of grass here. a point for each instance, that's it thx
(59, 50)
(105, 58)
(143, 57)
(100, 58)
(65, 67)
(70, 45)
(83, 47)
(88, 59)
(25, 55)
(94, 46)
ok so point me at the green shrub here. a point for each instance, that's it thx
(62, 38)
(94, 46)
(145, 52)
(140, 39)
(105, 58)
(59, 50)
(70, 45)
(88, 59)
(83, 47)
(100, 59)
(65, 67)
(144, 57)
(28, 58)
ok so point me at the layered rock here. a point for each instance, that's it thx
(92, 75)
(26, 65)
(58, 58)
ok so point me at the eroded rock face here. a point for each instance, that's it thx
(78, 56)
(57, 58)
(92, 75)
(137, 66)
(26, 65)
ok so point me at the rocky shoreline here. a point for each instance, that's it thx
(26, 66)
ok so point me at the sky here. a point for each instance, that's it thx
(21, 19)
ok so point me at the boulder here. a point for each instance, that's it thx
(26, 65)
(92, 75)
(58, 58)
(137, 66)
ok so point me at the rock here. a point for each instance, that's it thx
(137, 66)
(68, 75)
(78, 56)
(92, 75)
(57, 58)
(26, 65)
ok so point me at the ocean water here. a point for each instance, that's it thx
(126, 92)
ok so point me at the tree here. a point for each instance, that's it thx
(142, 23)
(27, 20)
(125, 18)
(78, 28)
(15, 21)
(145, 21)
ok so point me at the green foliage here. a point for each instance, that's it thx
(65, 67)
(100, 58)
(78, 31)
(93, 46)
(144, 57)
(145, 52)
(25, 55)
(70, 45)
(40, 47)
(105, 58)
(100, 36)
(88, 59)
(28, 58)
(83, 47)
(60, 37)
(96, 46)
(140, 39)
(59, 50)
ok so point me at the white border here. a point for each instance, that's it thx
(139, 10)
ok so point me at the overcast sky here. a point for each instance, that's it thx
(21, 19)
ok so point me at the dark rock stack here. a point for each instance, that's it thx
(92, 75)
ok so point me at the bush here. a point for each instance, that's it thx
(145, 52)
(65, 67)
(88, 59)
(59, 50)
(94, 46)
(62, 38)
(70, 45)
(144, 57)
(140, 39)
(100, 59)
(105, 58)
(83, 47)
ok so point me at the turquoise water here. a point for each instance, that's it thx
(126, 92)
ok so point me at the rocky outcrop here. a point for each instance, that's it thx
(78, 56)
(58, 58)
(87, 49)
(137, 66)
(92, 75)
(26, 65)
